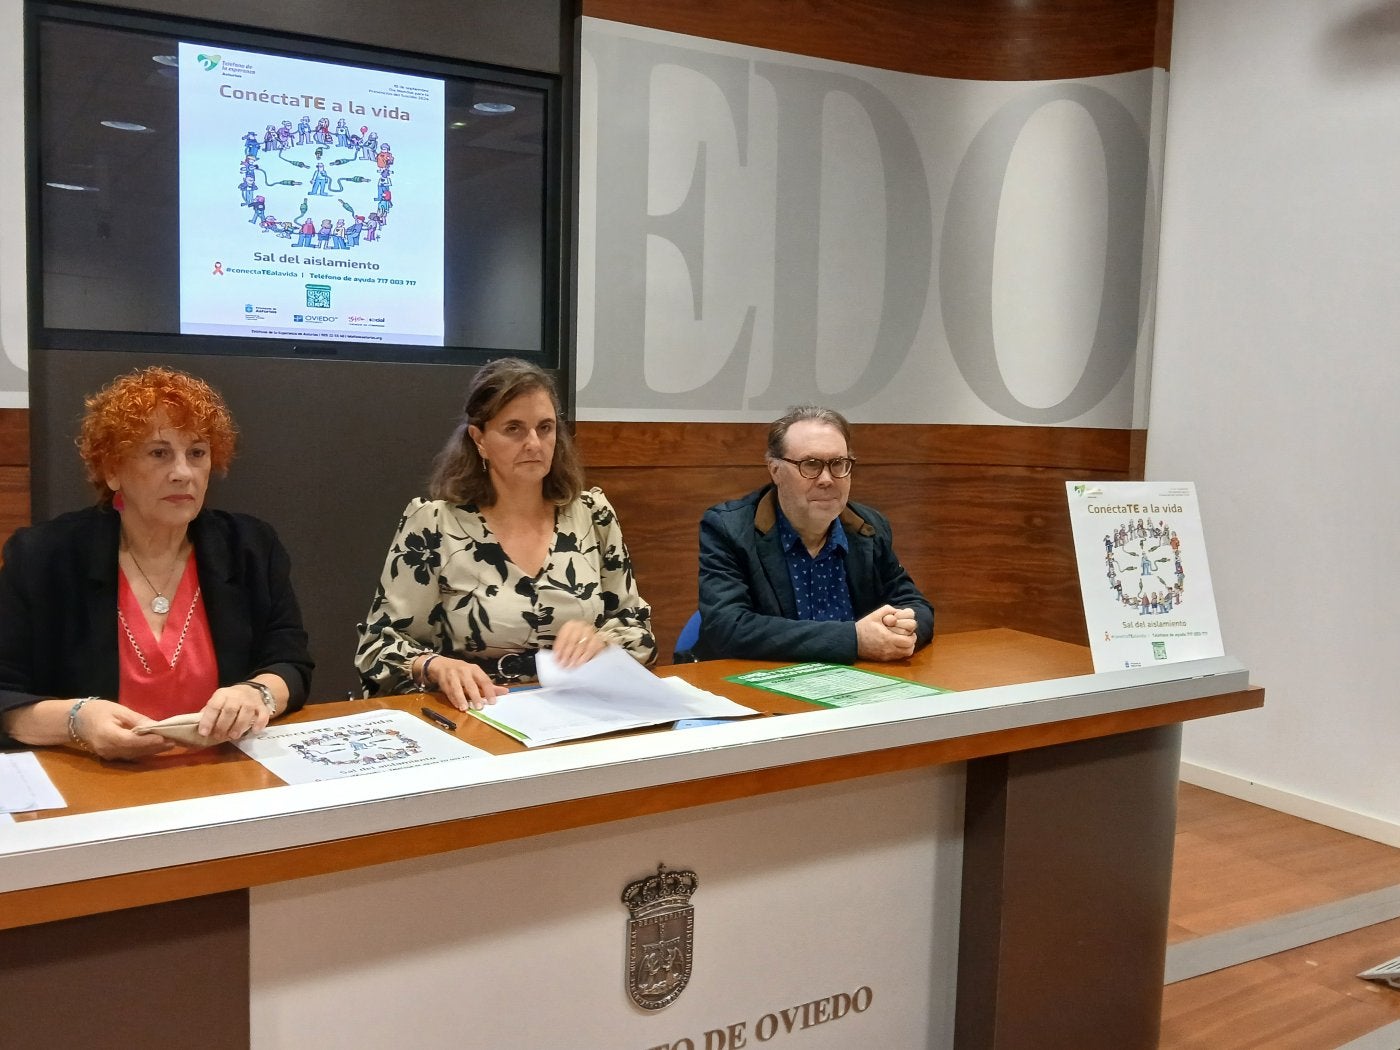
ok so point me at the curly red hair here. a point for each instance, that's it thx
(124, 413)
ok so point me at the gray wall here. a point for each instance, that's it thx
(330, 451)
(1275, 388)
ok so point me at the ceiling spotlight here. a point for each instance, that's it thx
(166, 60)
(73, 187)
(123, 125)
(493, 109)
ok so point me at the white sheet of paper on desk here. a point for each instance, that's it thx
(353, 746)
(1389, 972)
(24, 786)
(610, 693)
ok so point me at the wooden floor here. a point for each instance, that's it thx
(1238, 864)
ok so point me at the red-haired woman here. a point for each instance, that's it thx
(148, 604)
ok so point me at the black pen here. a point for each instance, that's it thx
(441, 720)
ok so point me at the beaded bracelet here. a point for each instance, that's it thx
(73, 723)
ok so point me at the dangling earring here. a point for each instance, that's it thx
(485, 463)
(118, 504)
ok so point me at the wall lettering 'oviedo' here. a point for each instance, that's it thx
(758, 229)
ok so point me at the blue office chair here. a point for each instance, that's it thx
(685, 644)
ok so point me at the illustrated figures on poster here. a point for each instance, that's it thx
(357, 746)
(337, 161)
(1151, 552)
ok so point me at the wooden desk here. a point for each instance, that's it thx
(1070, 814)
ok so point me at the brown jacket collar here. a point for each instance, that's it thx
(765, 516)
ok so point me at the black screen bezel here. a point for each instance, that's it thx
(552, 323)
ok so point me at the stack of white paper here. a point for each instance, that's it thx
(611, 692)
(24, 786)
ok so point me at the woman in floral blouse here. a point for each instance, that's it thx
(510, 555)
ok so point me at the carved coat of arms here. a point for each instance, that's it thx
(660, 936)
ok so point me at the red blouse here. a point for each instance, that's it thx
(177, 674)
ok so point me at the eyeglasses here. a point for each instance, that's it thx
(811, 468)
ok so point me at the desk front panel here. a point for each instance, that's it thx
(803, 896)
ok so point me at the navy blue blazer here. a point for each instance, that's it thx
(747, 607)
(58, 606)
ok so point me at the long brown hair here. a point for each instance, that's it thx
(459, 474)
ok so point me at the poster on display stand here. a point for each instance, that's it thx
(1143, 573)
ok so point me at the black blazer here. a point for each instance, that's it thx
(747, 606)
(58, 606)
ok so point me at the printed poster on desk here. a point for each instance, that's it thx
(354, 746)
(1143, 573)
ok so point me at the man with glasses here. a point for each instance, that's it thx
(796, 572)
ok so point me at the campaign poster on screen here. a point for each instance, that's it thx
(311, 199)
(1146, 583)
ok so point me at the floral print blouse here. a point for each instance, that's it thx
(449, 588)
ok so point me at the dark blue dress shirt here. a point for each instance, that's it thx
(818, 584)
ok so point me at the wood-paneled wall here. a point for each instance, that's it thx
(965, 39)
(979, 512)
(14, 470)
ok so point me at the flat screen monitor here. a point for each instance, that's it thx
(200, 188)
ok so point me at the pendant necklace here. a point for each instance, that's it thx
(160, 604)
